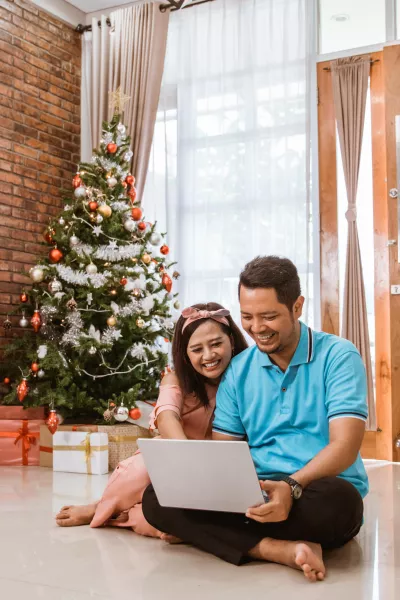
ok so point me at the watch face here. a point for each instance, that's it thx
(297, 492)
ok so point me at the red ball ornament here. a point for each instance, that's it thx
(34, 367)
(36, 321)
(112, 148)
(164, 249)
(142, 226)
(22, 390)
(137, 213)
(135, 414)
(23, 297)
(167, 282)
(93, 205)
(123, 281)
(6, 380)
(77, 181)
(52, 422)
(55, 255)
(130, 180)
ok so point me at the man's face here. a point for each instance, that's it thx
(271, 324)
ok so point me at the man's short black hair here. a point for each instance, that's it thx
(273, 272)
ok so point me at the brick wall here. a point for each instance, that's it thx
(40, 59)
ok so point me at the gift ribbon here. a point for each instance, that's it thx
(83, 447)
(123, 438)
(46, 449)
(28, 439)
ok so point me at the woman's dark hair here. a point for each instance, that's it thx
(190, 380)
(273, 272)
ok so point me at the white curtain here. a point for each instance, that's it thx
(229, 172)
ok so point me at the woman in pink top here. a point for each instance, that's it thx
(205, 340)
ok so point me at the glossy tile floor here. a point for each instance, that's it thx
(39, 560)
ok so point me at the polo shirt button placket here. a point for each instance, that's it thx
(284, 407)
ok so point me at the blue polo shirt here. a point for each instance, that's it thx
(285, 415)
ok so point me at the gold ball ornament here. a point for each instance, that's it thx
(111, 321)
(105, 210)
(146, 258)
(140, 323)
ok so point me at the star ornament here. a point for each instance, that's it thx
(118, 100)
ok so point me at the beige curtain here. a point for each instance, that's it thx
(350, 86)
(129, 55)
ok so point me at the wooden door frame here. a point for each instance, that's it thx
(377, 444)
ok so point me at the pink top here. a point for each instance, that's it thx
(196, 418)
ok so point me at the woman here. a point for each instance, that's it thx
(205, 340)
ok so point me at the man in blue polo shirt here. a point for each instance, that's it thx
(299, 398)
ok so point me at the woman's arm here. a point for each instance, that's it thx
(169, 423)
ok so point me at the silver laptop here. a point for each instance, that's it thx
(202, 474)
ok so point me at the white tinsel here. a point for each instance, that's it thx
(42, 351)
(120, 206)
(134, 307)
(75, 325)
(108, 337)
(80, 278)
(112, 254)
(83, 249)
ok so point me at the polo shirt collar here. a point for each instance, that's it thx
(304, 351)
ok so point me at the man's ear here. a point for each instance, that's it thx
(298, 307)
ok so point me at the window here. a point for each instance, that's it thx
(347, 24)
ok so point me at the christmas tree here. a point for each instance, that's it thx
(100, 309)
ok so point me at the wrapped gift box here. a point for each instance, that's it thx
(19, 442)
(46, 441)
(80, 452)
(19, 413)
(122, 441)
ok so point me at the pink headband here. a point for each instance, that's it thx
(192, 314)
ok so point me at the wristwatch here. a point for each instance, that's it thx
(295, 487)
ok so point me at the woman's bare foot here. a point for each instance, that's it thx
(170, 539)
(305, 556)
(71, 516)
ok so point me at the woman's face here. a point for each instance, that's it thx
(210, 350)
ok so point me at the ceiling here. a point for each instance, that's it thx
(88, 6)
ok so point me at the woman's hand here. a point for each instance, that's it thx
(279, 505)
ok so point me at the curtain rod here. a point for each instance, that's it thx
(371, 61)
(174, 5)
(82, 28)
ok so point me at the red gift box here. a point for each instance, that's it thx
(19, 412)
(19, 442)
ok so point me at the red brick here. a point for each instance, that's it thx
(39, 135)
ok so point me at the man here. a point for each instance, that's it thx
(299, 398)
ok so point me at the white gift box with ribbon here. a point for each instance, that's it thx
(80, 452)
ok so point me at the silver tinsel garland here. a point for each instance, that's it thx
(80, 278)
(75, 326)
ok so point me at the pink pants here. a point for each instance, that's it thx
(121, 503)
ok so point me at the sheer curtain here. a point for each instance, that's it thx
(229, 172)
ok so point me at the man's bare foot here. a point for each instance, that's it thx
(308, 558)
(305, 556)
(71, 516)
(170, 539)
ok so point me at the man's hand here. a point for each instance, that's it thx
(279, 505)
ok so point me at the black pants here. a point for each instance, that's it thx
(330, 512)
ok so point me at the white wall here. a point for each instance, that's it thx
(62, 10)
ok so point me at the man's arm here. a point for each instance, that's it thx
(347, 413)
(345, 439)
